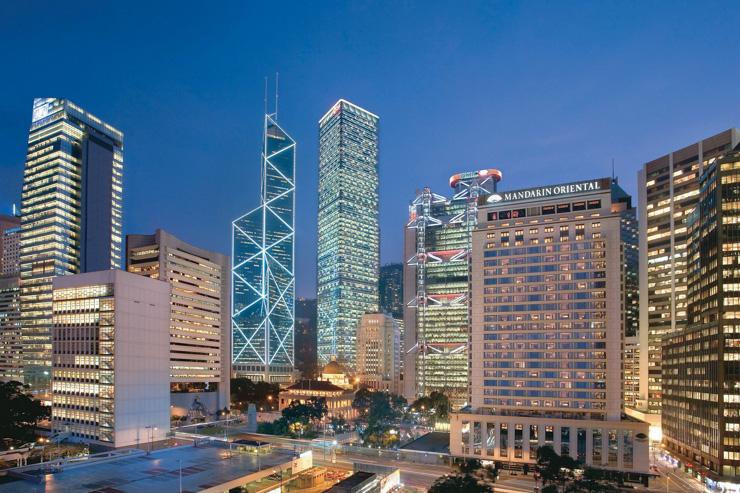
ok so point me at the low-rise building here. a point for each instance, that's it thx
(338, 400)
(110, 358)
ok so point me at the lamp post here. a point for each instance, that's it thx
(150, 431)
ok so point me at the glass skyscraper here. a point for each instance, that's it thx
(436, 286)
(348, 236)
(71, 215)
(263, 276)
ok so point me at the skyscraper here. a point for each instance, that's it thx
(200, 321)
(72, 214)
(306, 319)
(391, 290)
(668, 189)
(10, 242)
(547, 329)
(701, 361)
(349, 235)
(436, 284)
(263, 275)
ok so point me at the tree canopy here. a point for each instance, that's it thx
(245, 391)
(461, 483)
(19, 412)
(435, 405)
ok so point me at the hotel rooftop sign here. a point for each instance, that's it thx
(553, 191)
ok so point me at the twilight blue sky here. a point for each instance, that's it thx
(547, 91)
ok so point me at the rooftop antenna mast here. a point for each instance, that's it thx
(277, 93)
(265, 95)
(614, 178)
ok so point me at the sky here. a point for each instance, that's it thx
(548, 92)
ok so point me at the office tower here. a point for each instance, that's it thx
(110, 356)
(200, 335)
(306, 318)
(378, 355)
(391, 290)
(71, 211)
(631, 372)
(10, 242)
(547, 325)
(436, 248)
(668, 191)
(11, 350)
(263, 274)
(701, 361)
(349, 235)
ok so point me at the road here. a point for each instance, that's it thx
(674, 480)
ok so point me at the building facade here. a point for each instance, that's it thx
(701, 362)
(263, 268)
(10, 245)
(200, 322)
(110, 355)
(668, 192)
(338, 400)
(390, 288)
(306, 319)
(72, 215)
(378, 352)
(547, 329)
(11, 349)
(348, 230)
(437, 242)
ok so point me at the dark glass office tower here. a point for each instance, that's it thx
(391, 290)
(71, 211)
(349, 235)
(701, 363)
(263, 276)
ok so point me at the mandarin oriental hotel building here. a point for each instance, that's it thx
(548, 314)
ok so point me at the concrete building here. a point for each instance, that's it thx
(378, 352)
(10, 245)
(701, 361)
(338, 375)
(436, 284)
(631, 372)
(11, 349)
(200, 335)
(668, 189)
(72, 215)
(110, 355)
(348, 231)
(547, 329)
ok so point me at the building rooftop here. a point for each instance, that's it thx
(356, 479)
(202, 468)
(321, 385)
(437, 442)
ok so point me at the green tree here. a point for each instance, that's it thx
(19, 412)
(378, 407)
(244, 391)
(468, 466)
(380, 435)
(435, 406)
(461, 483)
